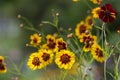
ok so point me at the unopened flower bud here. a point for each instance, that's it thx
(89, 68)
(57, 14)
(19, 16)
(69, 29)
(21, 25)
(27, 45)
(70, 35)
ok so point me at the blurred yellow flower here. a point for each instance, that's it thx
(35, 62)
(95, 12)
(98, 53)
(60, 44)
(75, 0)
(35, 40)
(1, 59)
(3, 68)
(65, 59)
(89, 21)
(81, 29)
(46, 56)
(96, 1)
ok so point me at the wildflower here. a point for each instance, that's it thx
(51, 43)
(60, 44)
(65, 59)
(89, 21)
(75, 0)
(3, 68)
(35, 39)
(96, 1)
(81, 29)
(97, 53)
(1, 59)
(88, 40)
(107, 13)
(46, 56)
(35, 61)
(95, 12)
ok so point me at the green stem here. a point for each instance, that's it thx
(105, 70)
(64, 75)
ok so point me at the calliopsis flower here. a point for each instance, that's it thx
(98, 53)
(89, 21)
(51, 43)
(3, 68)
(34, 61)
(81, 29)
(46, 56)
(96, 1)
(65, 59)
(88, 40)
(95, 12)
(60, 44)
(35, 40)
(107, 13)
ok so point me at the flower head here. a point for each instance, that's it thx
(46, 56)
(96, 1)
(3, 68)
(98, 53)
(95, 12)
(89, 41)
(1, 59)
(60, 44)
(81, 29)
(35, 61)
(89, 21)
(107, 13)
(35, 39)
(65, 59)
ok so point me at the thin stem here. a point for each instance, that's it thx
(105, 70)
(64, 75)
(103, 34)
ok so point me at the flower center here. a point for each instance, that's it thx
(35, 40)
(99, 53)
(61, 46)
(51, 44)
(107, 13)
(46, 56)
(36, 61)
(82, 29)
(2, 67)
(65, 58)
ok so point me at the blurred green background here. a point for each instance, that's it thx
(13, 38)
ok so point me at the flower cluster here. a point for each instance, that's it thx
(3, 68)
(53, 46)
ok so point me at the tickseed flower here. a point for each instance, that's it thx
(98, 53)
(60, 44)
(107, 13)
(51, 43)
(3, 68)
(95, 12)
(81, 29)
(46, 56)
(35, 61)
(96, 1)
(1, 59)
(88, 40)
(75, 0)
(35, 39)
(65, 59)
(89, 21)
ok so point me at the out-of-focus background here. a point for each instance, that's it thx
(13, 38)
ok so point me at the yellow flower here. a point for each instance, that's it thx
(35, 62)
(89, 41)
(98, 53)
(96, 1)
(60, 44)
(65, 59)
(89, 21)
(95, 12)
(1, 59)
(3, 68)
(35, 39)
(51, 43)
(81, 29)
(75, 0)
(46, 56)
